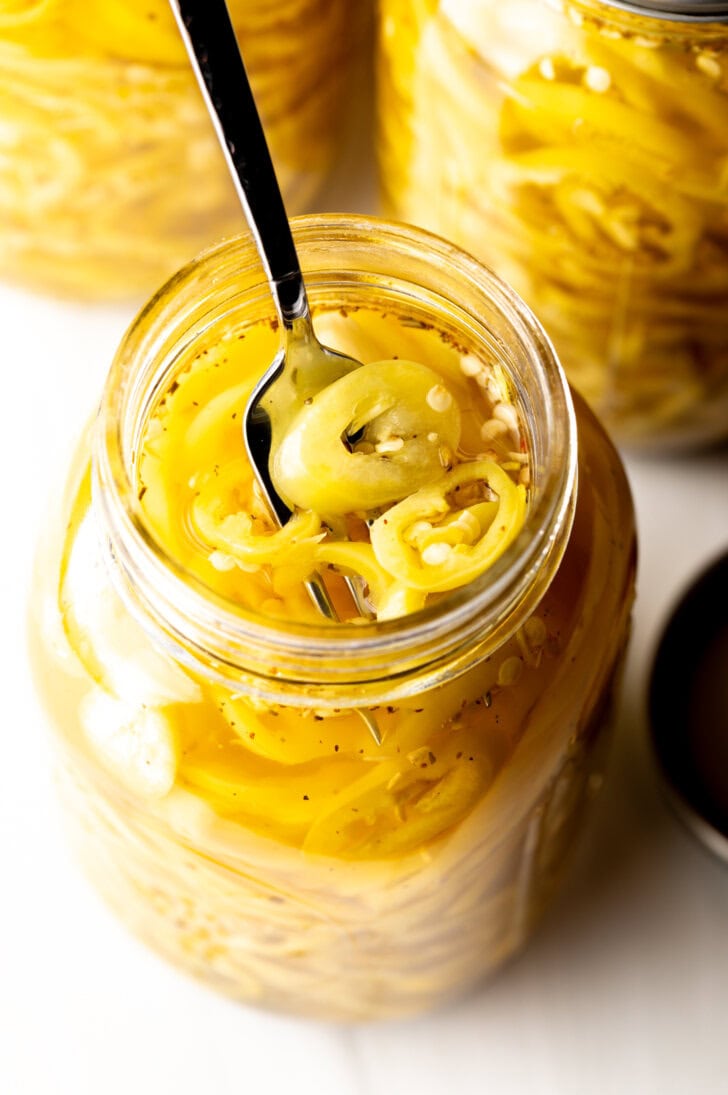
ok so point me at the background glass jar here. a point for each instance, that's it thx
(581, 149)
(110, 173)
(220, 788)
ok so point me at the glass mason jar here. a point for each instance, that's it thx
(580, 148)
(221, 790)
(111, 176)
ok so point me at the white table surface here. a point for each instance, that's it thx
(624, 988)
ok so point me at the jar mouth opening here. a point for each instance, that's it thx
(201, 625)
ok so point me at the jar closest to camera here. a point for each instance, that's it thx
(221, 790)
(579, 147)
(110, 172)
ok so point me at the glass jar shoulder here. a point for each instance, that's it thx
(104, 683)
(597, 574)
(552, 684)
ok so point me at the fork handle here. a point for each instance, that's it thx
(213, 49)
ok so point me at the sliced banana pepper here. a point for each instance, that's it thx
(441, 565)
(403, 803)
(143, 32)
(406, 424)
(249, 540)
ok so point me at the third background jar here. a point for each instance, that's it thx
(582, 150)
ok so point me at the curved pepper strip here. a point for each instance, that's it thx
(403, 803)
(461, 562)
(143, 32)
(235, 532)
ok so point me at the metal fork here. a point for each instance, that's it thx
(303, 366)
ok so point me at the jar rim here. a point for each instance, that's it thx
(271, 656)
(679, 11)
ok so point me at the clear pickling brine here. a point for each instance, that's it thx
(221, 786)
(111, 175)
(579, 147)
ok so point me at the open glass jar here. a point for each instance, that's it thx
(579, 147)
(223, 792)
(111, 176)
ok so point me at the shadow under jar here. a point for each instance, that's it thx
(219, 786)
(580, 148)
(111, 175)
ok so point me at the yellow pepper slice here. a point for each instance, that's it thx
(409, 424)
(403, 803)
(138, 30)
(359, 560)
(441, 566)
(546, 111)
(246, 538)
(297, 736)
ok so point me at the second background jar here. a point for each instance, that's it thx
(110, 172)
(582, 150)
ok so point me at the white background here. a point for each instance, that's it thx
(624, 989)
